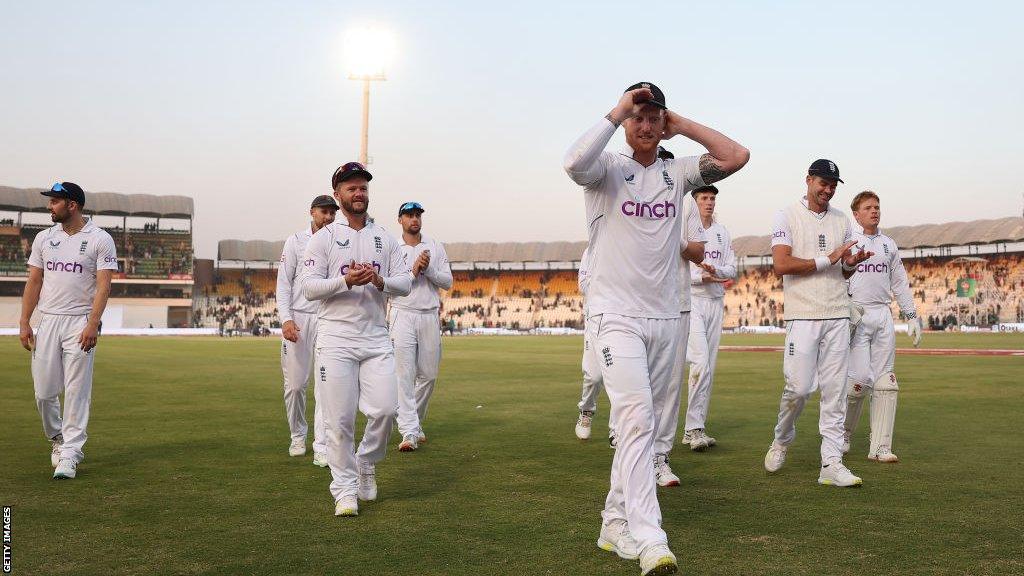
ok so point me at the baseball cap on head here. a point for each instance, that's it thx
(708, 188)
(349, 170)
(324, 200)
(825, 169)
(658, 97)
(410, 207)
(68, 190)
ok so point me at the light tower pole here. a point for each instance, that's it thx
(364, 138)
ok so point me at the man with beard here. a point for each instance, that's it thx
(634, 221)
(298, 331)
(415, 325)
(349, 266)
(70, 269)
(811, 244)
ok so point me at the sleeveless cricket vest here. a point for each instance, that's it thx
(821, 295)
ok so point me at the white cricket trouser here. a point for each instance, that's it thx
(417, 340)
(297, 364)
(636, 356)
(873, 346)
(816, 356)
(60, 365)
(667, 399)
(592, 382)
(351, 379)
(702, 355)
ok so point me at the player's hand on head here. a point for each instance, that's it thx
(290, 331)
(630, 104)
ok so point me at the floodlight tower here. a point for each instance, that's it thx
(369, 50)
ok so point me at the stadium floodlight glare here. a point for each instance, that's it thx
(368, 51)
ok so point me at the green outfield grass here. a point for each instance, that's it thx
(187, 472)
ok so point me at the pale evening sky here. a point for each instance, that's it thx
(245, 106)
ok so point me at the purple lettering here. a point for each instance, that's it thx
(655, 211)
(881, 268)
(73, 267)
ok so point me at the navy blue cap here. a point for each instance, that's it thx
(707, 188)
(323, 200)
(658, 97)
(825, 169)
(349, 170)
(410, 207)
(66, 190)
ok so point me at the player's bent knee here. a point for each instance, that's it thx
(887, 383)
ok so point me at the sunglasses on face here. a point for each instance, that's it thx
(411, 206)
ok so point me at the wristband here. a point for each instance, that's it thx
(848, 268)
(822, 263)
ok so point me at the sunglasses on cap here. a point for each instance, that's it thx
(410, 206)
(58, 187)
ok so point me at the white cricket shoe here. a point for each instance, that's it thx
(847, 438)
(421, 438)
(775, 457)
(346, 506)
(657, 560)
(367, 482)
(320, 459)
(66, 469)
(615, 537)
(409, 443)
(687, 437)
(699, 441)
(297, 447)
(885, 456)
(55, 445)
(663, 473)
(583, 424)
(838, 475)
(613, 440)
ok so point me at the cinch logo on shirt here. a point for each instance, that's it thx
(882, 268)
(109, 259)
(308, 263)
(713, 255)
(64, 267)
(376, 268)
(654, 211)
(779, 234)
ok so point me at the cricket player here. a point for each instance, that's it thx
(298, 331)
(592, 382)
(633, 208)
(69, 273)
(873, 343)
(415, 325)
(811, 250)
(349, 267)
(707, 280)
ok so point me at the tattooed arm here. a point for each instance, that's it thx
(724, 156)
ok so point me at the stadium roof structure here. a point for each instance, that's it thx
(1010, 229)
(102, 203)
(250, 250)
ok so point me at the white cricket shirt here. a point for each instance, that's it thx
(634, 225)
(289, 291)
(352, 317)
(882, 275)
(717, 252)
(424, 296)
(69, 265)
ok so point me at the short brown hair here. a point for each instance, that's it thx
(859, 198)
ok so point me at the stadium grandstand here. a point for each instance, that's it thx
(961, 273)
(153, 235)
